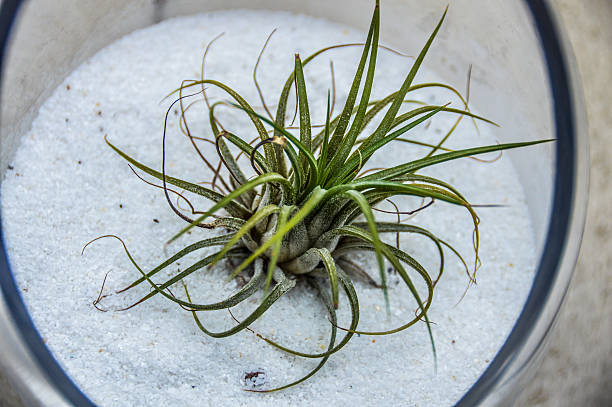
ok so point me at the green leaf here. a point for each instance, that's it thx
(416, 165)
(326, 130)
(232, 166)
(299, 176)
(245, 292)
(409, 115)
(246, 228)
(234, 208)
(389, 118)
(262, 179)
(351, 295)
(248, 150)
(263, 134)
(279, 289)
(338, 136)
(159, 289)
(332, 316)
(276, 247)
(361, 156)
(367, 213)
(332, 273)
(396, 189)
(312, 161)
(317, 196)
(214, 241)
(388, 227)
(347, 143)
(392, 254)
(305, 129)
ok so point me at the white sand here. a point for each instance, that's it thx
(68, 187)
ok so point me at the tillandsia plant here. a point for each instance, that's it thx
(310, 205)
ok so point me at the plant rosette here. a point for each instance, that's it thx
(311, 203)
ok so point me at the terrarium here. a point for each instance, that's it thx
(316, 202)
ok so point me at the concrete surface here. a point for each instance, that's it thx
(8, 398)
(577, 370)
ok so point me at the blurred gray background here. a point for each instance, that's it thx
(577, 369)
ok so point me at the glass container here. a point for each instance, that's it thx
(524, 74)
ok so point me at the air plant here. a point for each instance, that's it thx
(309, 205)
